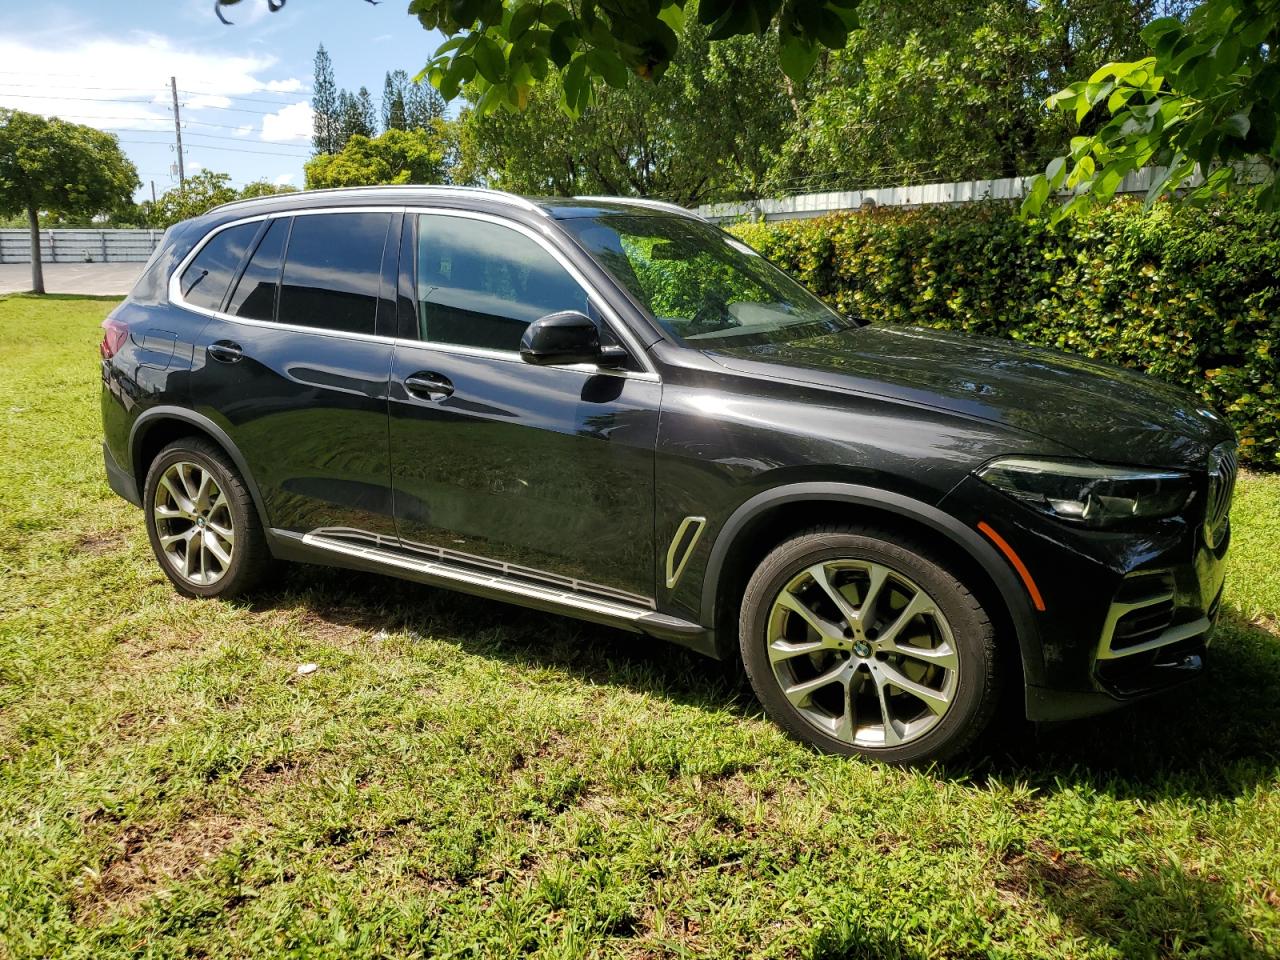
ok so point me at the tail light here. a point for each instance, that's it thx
(113, 336)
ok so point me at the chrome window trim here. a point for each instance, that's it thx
(611, 318)
(175, 286)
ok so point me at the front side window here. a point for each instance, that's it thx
(204, 283)
(333, 271)
(700, 283)
(480, 283)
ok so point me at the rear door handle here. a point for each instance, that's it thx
(427, 385)
(225, 351)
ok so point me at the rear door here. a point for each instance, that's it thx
(545, 469)
(293, 367)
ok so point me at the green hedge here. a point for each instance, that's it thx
(1189, 295)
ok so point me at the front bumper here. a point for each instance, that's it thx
(1126, 613)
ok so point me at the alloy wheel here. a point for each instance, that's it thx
(862, 652)
(194, 524)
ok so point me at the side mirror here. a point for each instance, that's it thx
(567, 337)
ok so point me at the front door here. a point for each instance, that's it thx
(548, 470)
(291, 368)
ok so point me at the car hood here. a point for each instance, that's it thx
(1103, 412)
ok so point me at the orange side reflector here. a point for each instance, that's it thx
(1018, 565)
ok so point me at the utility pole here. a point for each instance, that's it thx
(177, 129)
(153, 193)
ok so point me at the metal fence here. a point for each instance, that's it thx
(923, 195)
(80, 246)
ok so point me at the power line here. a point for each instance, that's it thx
(209, 146)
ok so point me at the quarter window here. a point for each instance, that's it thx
(204, 283)
(255, 294)
(333, 270)
(480, 284)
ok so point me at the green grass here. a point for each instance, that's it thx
(460, 778)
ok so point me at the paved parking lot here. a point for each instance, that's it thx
(101, 279)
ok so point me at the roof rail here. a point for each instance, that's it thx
(500, 196)
(646, 202)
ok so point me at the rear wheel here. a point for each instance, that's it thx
(201, 521)
(857, 641)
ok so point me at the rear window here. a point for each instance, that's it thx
(255, 295)
(205, 281)
(333, 271)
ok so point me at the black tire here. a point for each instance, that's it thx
(973, 687)
(250, 557)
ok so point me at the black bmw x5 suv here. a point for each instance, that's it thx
(611, 409)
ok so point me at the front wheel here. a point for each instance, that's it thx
(857, 641)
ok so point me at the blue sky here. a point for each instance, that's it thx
(245, 88)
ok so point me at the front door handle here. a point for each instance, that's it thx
(428, 385)
(225, 351)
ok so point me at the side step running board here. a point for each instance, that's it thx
(497, 587)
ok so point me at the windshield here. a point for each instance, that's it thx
(701, 284)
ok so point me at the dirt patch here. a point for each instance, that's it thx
(337, 625)
(146, 860)
(97, 544)
(1044, 868)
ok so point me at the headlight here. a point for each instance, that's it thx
(1088, 493)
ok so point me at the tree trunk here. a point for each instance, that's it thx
(37, 268)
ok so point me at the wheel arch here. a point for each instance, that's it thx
(160, 426)
(765, 520)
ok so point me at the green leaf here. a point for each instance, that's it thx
(523, 19)
(607, 65)
(1237, 125)
(797, 57)
(673, 16)
(490, 60)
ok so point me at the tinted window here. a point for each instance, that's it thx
(480, 284)
(255, 295)
(204, 283)
(332, 271)
(699, 282)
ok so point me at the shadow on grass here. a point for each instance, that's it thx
(1157, 911)
(1218, 736)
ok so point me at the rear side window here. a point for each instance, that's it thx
(204, 283)
(255, 294)
(333, 271)
(480, 284)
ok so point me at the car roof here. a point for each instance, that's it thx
(558, 208)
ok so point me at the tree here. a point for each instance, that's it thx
(947, 91)
(47, 164)
(709, 131)
(422, 105)
(368, 113)
(204, 191)
(504, 47)
(398, 156)
(324, 105)
(354, 119)
(1204, 105)
(393, 100)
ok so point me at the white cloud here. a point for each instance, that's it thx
(134, 70)
(283, 180)
(293, 124)
(244, 131)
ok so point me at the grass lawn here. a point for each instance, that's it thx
(461, 778)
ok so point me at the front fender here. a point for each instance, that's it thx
(969, 542)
